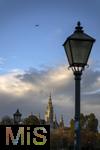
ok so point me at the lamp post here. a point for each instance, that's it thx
(77, 48)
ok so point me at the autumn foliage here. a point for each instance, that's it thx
(90, 137)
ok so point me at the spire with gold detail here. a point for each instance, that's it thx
(49, 112)
(55, 123)
(55, 118)
(61, 124)
(50, 101)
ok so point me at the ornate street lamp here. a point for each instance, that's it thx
(78, 47)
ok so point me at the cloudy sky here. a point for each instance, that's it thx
(33, 61)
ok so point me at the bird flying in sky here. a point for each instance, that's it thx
(37, 25)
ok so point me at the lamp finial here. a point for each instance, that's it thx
(78, 28)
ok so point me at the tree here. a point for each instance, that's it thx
(89, 128)
(59, 138)
(6, 120)
(72, 124)
(92, 123)
(82, 121)
(31, 120)
(89, 122)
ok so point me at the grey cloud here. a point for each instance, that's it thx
(65, 88)
(26, 104)
(42, 79)
(33, 76)
(89, 80)
(92, 99)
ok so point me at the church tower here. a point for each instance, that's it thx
(61, 124)
(55, 124)
(49, 112)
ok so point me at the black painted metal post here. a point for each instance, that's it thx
(77, 144)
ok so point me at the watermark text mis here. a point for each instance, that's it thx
(31, 137)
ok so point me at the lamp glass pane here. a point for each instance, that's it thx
(68, 52)
(80, 51)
